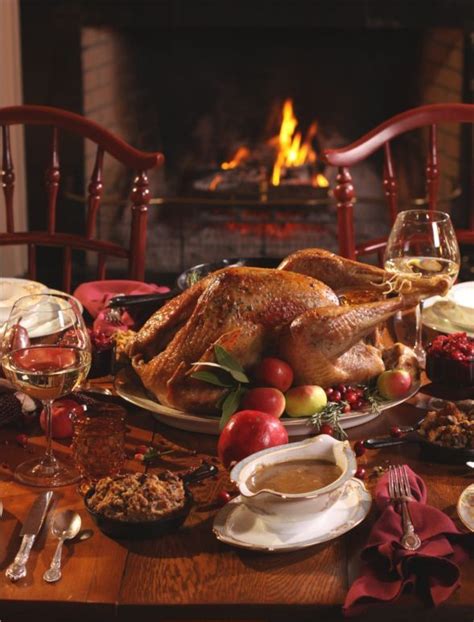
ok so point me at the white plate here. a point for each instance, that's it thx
(235, 524)
(465, 507)
(129, 387)
(13, 289)
(453, 313)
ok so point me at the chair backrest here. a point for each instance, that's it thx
(105, 142)
(379, 137)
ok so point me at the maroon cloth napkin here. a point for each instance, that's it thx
(432, 571)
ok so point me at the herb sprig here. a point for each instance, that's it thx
(333, 411)
(229, 374)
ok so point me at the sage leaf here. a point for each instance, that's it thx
(240, 376)
(230, 405)
(227, 360)
(211, 378)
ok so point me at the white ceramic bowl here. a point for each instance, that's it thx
(286, 512)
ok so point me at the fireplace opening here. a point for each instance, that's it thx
(242, 113)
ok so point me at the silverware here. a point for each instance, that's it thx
(66, 525)
(29, 531)
(399, 490)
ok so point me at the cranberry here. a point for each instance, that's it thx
(359, 448)
(342, 388)
(139, 457)
(336, 396)
(395, 431)
(351, 396)
(360, 473)
(22, 440)
(326, 429)
(358, 405)
(347, 408)
(329, 392)
(223, 497)
(141, 449)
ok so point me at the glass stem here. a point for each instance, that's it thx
(419, 350)
(49, 459)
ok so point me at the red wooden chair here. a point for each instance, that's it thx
(106, 142)
(380, 137)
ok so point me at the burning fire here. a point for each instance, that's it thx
(292, 151)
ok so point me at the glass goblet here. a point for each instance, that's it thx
(46, 353)
(422, 245)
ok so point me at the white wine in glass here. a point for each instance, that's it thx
(422, 245)
(46, 353)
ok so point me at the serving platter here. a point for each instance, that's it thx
(129, 387)
(465, 507)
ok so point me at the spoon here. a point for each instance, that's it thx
(66, 525)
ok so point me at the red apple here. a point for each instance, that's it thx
(248, 431)
(272, 372)
(264, 399)
(61, 421)
(305, 400)
(394, 383)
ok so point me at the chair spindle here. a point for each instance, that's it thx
(345, 194)
(101, 266)
(8, 178)
(53, 176)
(95, 193)
(140, 197)
(390, 182)
(432, 170)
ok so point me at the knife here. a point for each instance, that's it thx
(31, 528)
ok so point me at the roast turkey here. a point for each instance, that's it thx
(293, 312)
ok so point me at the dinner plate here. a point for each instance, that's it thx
(465, 507)
(237, 525)
(13, 289)
(453, 313)
(130, 388)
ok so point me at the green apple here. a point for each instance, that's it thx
(305, 400)
(394, 383)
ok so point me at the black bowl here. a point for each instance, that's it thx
(140, 530)
(153, 528)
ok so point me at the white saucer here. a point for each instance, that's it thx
(465, 507)
(453, 313)
(235, 524)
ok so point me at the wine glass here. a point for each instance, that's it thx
(46, 353)
(422, 245)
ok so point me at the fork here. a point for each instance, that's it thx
(399, 490)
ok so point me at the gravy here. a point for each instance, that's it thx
(294, 476)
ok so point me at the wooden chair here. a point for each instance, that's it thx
(380, 137)
(106, 142)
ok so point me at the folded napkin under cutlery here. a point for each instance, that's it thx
(431, 571)
(94, 295)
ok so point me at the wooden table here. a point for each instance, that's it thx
(190, 574)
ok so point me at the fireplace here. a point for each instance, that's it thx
(210, 85)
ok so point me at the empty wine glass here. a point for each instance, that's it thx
(422, 245)
(46, 353)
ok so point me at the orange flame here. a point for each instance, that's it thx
(240, 155)
(291, 150)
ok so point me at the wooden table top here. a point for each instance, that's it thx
(190, 574)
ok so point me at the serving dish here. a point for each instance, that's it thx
(129, 387)
(288, 511)
(237, 525)
(151, 529)
(429, 451)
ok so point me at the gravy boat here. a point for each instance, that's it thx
(285, 511)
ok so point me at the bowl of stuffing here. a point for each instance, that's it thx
(143, 505)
